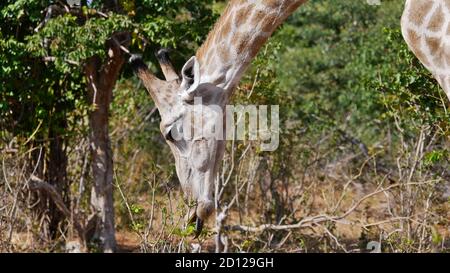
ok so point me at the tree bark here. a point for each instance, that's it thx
(50, 162)
(101, 79)
(57, 165)
(57, 176)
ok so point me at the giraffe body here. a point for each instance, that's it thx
(426, 29)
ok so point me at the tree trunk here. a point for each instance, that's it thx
(101, 79)
(57, 175)
(50, 163)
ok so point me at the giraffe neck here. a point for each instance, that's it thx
(237, 37)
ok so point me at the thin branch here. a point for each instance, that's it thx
(52, 59)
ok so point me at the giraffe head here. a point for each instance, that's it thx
(192, 125)
(191, 106)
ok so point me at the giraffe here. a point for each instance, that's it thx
(425, 27)
(216, 69)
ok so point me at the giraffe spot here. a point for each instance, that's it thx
(413, 39)
(224, 32)
(272, 4)
(226, 28)
(257, 16)
(418, 10)
(242, 41)
(214, 37)
(437, 21)
(258, 42)
(242, 15)
(434, 44)
(269, 23)
(223, 27)
(414, 44)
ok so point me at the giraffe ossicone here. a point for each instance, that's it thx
(215, 70)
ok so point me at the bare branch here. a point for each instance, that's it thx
(37, 184)
(52, 59)
(314, 220)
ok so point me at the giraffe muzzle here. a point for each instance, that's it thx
(198, 227)
(198, 224)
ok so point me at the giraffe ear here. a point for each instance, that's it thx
(191, 78)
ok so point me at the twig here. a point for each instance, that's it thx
(333, 237)
(119, 44)
(52, 59)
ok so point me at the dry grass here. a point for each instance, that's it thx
(335, 201)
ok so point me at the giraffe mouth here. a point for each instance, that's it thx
(198, 224)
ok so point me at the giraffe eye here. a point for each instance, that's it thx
(173, 134)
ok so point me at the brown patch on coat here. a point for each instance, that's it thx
(272, 4)
(414, 43)
(242, 15)
(258, 42)
(269, 23)
(434, 44)
(419, 9)
(241, 41)
(437, 21)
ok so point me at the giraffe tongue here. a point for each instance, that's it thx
(198, 227)
(198, 224)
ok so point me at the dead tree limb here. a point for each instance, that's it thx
(37, 184)
(314, 220)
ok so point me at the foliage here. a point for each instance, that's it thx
(358, 112)
(347, 67)
(69, 39)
